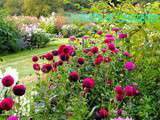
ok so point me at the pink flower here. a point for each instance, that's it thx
(119, 97)
(72, 38)
(129, 66)
(111, 46)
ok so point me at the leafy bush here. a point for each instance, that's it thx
(9, 37)
(48, 24)
(39, 38)
(69, 30)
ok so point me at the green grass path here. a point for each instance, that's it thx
(22, 60)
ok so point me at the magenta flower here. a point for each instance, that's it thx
(126, 54)
(122, 36)
(12, 117)
(129, 66)
(116, 29)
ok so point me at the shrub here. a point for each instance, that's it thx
(39, 38)
(48, 24)
(9, 37)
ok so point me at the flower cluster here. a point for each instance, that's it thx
(9, 83)
(85, 67)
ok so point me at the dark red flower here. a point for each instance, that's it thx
(119, 97)
(86, 50)
(55, 53)
(7, 81)
(66, 50)
(36, 67)
(19, 90)
(64, 57)
(80, 60)
(119, 90)
(109, 82)
(60, 62)
(94, 50)
(49, 56)
(119, 112)
(98, 60)
(1, 109)
(73, 76)
(7, 104)
(34, 58)
(100, 32)
(88, 83)
(111, 46)
(46, 68)
(102, 113)
(60, 49)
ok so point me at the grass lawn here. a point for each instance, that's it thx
(22, 60)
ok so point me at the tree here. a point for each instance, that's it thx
(13, 6)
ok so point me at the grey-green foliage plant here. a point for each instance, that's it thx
(39, 38)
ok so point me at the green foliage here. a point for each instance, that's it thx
(9, 37)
